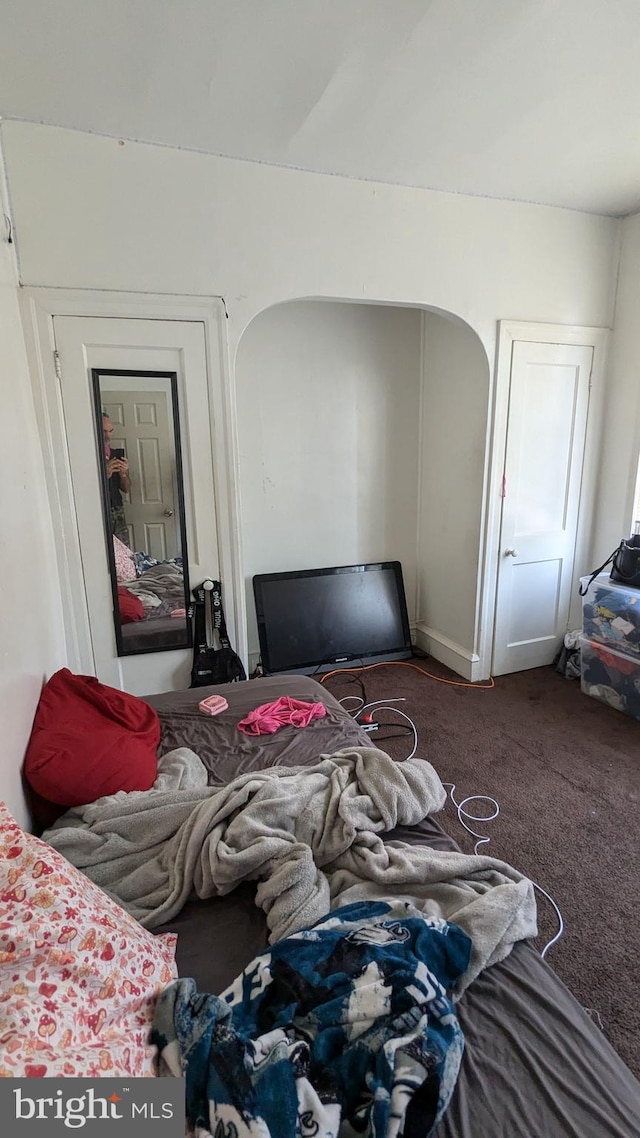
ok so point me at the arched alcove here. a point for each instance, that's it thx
(362, 432)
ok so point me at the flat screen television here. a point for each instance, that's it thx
(315, 620)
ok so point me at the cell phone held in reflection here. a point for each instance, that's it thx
(117, 452)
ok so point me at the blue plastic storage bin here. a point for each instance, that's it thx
(611, 614)
(610, 676)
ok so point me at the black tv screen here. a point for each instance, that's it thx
(314, 620)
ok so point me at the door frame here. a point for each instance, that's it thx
(38, 307)
(508, 332)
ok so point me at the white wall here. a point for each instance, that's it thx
(93, 213)
(455, 419)
(621, 434)
(31, 632)
(328, 401)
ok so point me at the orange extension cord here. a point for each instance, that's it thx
(406, 664)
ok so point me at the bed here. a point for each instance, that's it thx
(159, 588)
(154, 633)
(159, 585)
(534, 1063)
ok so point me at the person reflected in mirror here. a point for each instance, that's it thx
(119, 481)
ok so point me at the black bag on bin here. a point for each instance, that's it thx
(625, 564)
(211, 664)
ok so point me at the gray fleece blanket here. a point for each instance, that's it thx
(310, 838)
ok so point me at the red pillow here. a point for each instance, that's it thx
(89, 740)
(130, 607)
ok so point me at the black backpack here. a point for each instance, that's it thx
(212, 665)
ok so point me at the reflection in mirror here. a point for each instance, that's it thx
(143, 499)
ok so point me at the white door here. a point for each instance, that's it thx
(84, 343)
(547, 419)
(143, 428)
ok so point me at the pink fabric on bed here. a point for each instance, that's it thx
(286, 711)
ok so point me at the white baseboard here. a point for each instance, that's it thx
(459, 659)
(467, 664)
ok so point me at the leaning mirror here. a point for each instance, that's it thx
(139, 457)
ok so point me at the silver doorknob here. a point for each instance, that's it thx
(511, 552)
(168, 513)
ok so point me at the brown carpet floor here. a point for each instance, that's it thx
(565, 770)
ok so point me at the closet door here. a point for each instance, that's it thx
(86, 343)
(546, 429)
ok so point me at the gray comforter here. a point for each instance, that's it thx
(160, 588)
(311, 839)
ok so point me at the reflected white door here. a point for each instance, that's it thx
(143, 429)
(84, 343)
(548, 404)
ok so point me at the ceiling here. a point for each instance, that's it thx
(531, 100)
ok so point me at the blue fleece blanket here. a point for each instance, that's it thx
(343, 1028)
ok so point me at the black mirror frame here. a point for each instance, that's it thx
(172, 376)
